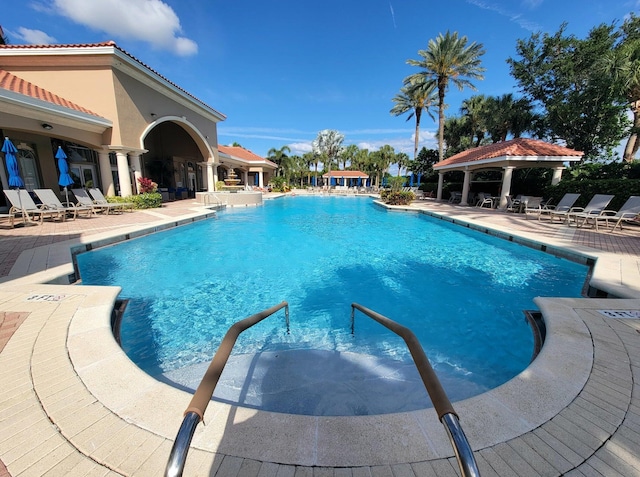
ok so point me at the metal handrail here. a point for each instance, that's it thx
(195, 412)
(439, 398)
(208, 197)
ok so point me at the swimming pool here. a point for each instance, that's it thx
(460, 291)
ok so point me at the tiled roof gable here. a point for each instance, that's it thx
(242, 153)
(114, 45)
(16, 84)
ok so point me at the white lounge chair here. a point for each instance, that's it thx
(23, 204)
(84, 199)
(51, 201)
(629, 211)
(596, 205)
(561, 209)
(532, 205)
(99, 198)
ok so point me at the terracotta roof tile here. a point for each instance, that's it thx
(518, 147)
(15, 84)
(242, 153)
(114, 45)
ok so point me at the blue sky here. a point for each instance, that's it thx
(282, 70)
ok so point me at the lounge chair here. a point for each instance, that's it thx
(51, 201)
(561, 209)
(532, 205)
(23, 204)
(596, 205)
(84, 199)
(629, 211)
(100, 199)
(514, 205)
(484, 199)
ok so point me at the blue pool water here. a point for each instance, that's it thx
(461, 292)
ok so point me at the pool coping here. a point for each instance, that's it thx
(109, 376)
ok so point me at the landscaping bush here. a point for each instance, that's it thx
(148, 200)
(391, 197)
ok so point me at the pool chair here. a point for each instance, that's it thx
(51, 201)
(561, 209)
(596, 205)
(531, 205)
(484, 200)
(628, 212)
(98, 198)
(22, 204)
(84, 199)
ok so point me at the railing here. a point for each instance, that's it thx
(208, 198)
(195, 412)
(441, 403)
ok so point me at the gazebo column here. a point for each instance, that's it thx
(465, 187)
(440, 185)
(506, 185)
(261, 179)
(212, 176)
(557, 175)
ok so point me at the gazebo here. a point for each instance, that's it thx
(506, 156)
(346, 177)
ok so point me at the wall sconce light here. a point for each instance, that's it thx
(153, 115)
(46, 126)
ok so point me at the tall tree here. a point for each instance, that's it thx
(622, 65)
(328, 143)
(348, 155)
(279, 156)
(504, 115)
(579, 105)
(402, 160)
(413, 99)
(472, 110)
(447, 59)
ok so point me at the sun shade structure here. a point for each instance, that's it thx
(507, 156)
(344, 176)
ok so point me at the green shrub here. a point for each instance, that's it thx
(148, 200)
(392, 197)
(219, 185)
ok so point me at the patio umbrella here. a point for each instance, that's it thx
(65, 179)
(10, 158)
(411, 180)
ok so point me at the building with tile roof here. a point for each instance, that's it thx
(252, 169)
(506, 156)
(116, 118)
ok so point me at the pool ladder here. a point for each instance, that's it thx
(195, 411)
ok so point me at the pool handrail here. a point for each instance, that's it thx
(446, 414)
(201, 398)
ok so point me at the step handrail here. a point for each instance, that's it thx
(446, 414)
(198, 405)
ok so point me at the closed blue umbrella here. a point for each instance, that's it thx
(11, 160)
(65, 178)
(411, 180)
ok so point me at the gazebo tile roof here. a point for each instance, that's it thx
(519, 147)
(347, 174)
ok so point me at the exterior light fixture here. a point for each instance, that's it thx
(46, 126)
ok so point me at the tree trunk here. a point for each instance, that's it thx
(417, 138)
(442, 85)
(633, 143)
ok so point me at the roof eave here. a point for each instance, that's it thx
(505, 159)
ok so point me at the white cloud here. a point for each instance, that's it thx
(513, 17)
(151, 21)
(34, 37)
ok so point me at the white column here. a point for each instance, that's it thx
(557, 175)
(108, 187)
(211, 176)
(123, 174)
(245, 177)
(137, 170)
(261, 179)
(506, 185)
(465, 187)
(440, 185)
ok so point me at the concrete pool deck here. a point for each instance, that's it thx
(71, 403)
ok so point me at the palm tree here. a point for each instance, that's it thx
(279, 156)
(447, 59)
(328, 143)
(472, 110)
(402, 160)
(348, 155)
(413, 99)
(623, 66)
